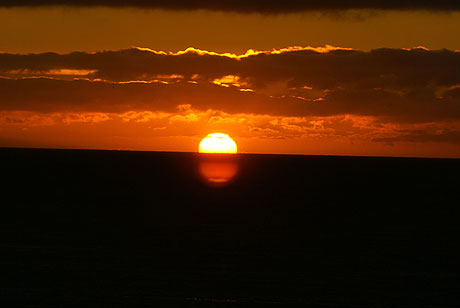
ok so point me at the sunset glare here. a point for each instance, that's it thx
(217, 143)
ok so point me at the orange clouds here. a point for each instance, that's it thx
(401, 85)
(303, 95)
(182, 129)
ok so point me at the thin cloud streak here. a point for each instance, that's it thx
(254, 6)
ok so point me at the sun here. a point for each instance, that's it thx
(217, 143)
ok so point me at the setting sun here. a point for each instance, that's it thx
(217, 143)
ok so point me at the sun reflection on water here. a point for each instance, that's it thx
(218, 169)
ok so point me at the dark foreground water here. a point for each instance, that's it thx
(143, 229)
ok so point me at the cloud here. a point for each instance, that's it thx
(415, 85)
(418, 136)
(183, 128)
(259, 6)
(50, 95)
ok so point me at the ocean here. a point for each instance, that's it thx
(89, 228)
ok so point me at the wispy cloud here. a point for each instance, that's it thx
(259, 6)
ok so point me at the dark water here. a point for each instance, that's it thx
(142, 229)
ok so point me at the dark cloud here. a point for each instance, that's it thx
(378, 68)
(415, 85)
(261, 6)
(50, 95)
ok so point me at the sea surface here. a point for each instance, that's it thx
(85, 228)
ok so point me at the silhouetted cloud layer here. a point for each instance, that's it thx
(415, 85)
(261, 6)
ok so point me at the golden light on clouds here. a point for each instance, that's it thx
(217, 143)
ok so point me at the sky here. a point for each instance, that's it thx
(376, 78)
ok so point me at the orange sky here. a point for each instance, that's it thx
(358, 100)
(67, 29)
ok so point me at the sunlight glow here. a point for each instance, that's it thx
(248, 53)
(217, 143)
(218, 172)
